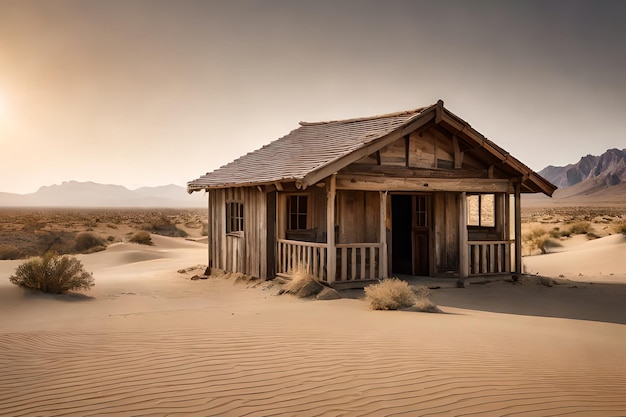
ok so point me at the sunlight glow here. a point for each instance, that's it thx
(3, 109)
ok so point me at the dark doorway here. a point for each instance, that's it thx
(401, 241)
(410, 220)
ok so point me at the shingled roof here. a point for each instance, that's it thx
(307, 150)
(310, 147)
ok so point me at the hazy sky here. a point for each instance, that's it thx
(145, 93)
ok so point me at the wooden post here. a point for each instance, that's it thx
(463, 248)
(210, 241)
(383, 235)
(518, 228)
(507, 233)
(330, 230)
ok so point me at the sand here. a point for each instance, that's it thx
(149, 341)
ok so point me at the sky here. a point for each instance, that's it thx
(147, 93)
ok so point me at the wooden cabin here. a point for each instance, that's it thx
(418, 192)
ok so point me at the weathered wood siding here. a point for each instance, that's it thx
(446, 229)
(244, 251)
(429, 149)
(358, 215)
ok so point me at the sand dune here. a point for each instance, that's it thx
(599, 260)
(150, 341)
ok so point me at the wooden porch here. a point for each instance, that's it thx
(354, 262)
(361, 262)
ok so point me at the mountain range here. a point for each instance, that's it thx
(593, 178)
(91, 194)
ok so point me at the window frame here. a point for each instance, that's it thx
(481, 224)
(299, 213)
(234, 216)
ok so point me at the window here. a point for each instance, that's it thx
(234, 216)
(297, 212)
(481, 210)
(421, 211)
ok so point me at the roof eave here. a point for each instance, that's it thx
(329, 168)
(540, 184)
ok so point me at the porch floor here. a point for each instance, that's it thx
(430, 282)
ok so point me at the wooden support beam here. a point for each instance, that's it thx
(458, 155)
(383, 235)
(330, 230)
(507, 232)
(378, 183)
(439, 111)
(518, 228)
(463, 246)
(406, 150)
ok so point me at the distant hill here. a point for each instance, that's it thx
(592, 180)
(91, 194)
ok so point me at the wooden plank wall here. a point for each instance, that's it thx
(246, 252)
(430, 149)
(358, 216)
(446, 226)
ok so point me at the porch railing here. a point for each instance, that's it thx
(489, 257)
(294, 256)
(359, 261)
(355, 261)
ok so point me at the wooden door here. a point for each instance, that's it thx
(420, 234)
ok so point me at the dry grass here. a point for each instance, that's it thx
(394, 294)
(142, 238)
(544, 229)
(580, 228)
(540, 240)
(33, 231)
(619, 227)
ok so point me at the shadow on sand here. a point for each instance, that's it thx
(68, 297)
(567, 299)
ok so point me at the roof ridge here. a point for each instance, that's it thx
(362, 119)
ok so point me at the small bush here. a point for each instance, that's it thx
(205, 229)
(548, 244)
(87, 242)
(390, 294)
(555, 233)
(620, 227)
(9, 252)
(580, 228)
(53, 274)
(161, 225)
(142, 238)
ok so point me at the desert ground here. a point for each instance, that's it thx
(148, 340)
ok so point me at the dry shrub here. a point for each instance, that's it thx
(53, 274)
(538, 239)
(88, 243)
(9, 252)
(580, 228)
(142, 238)
(393, 294)
(302, 284)
(620, 227)
(161, 225)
